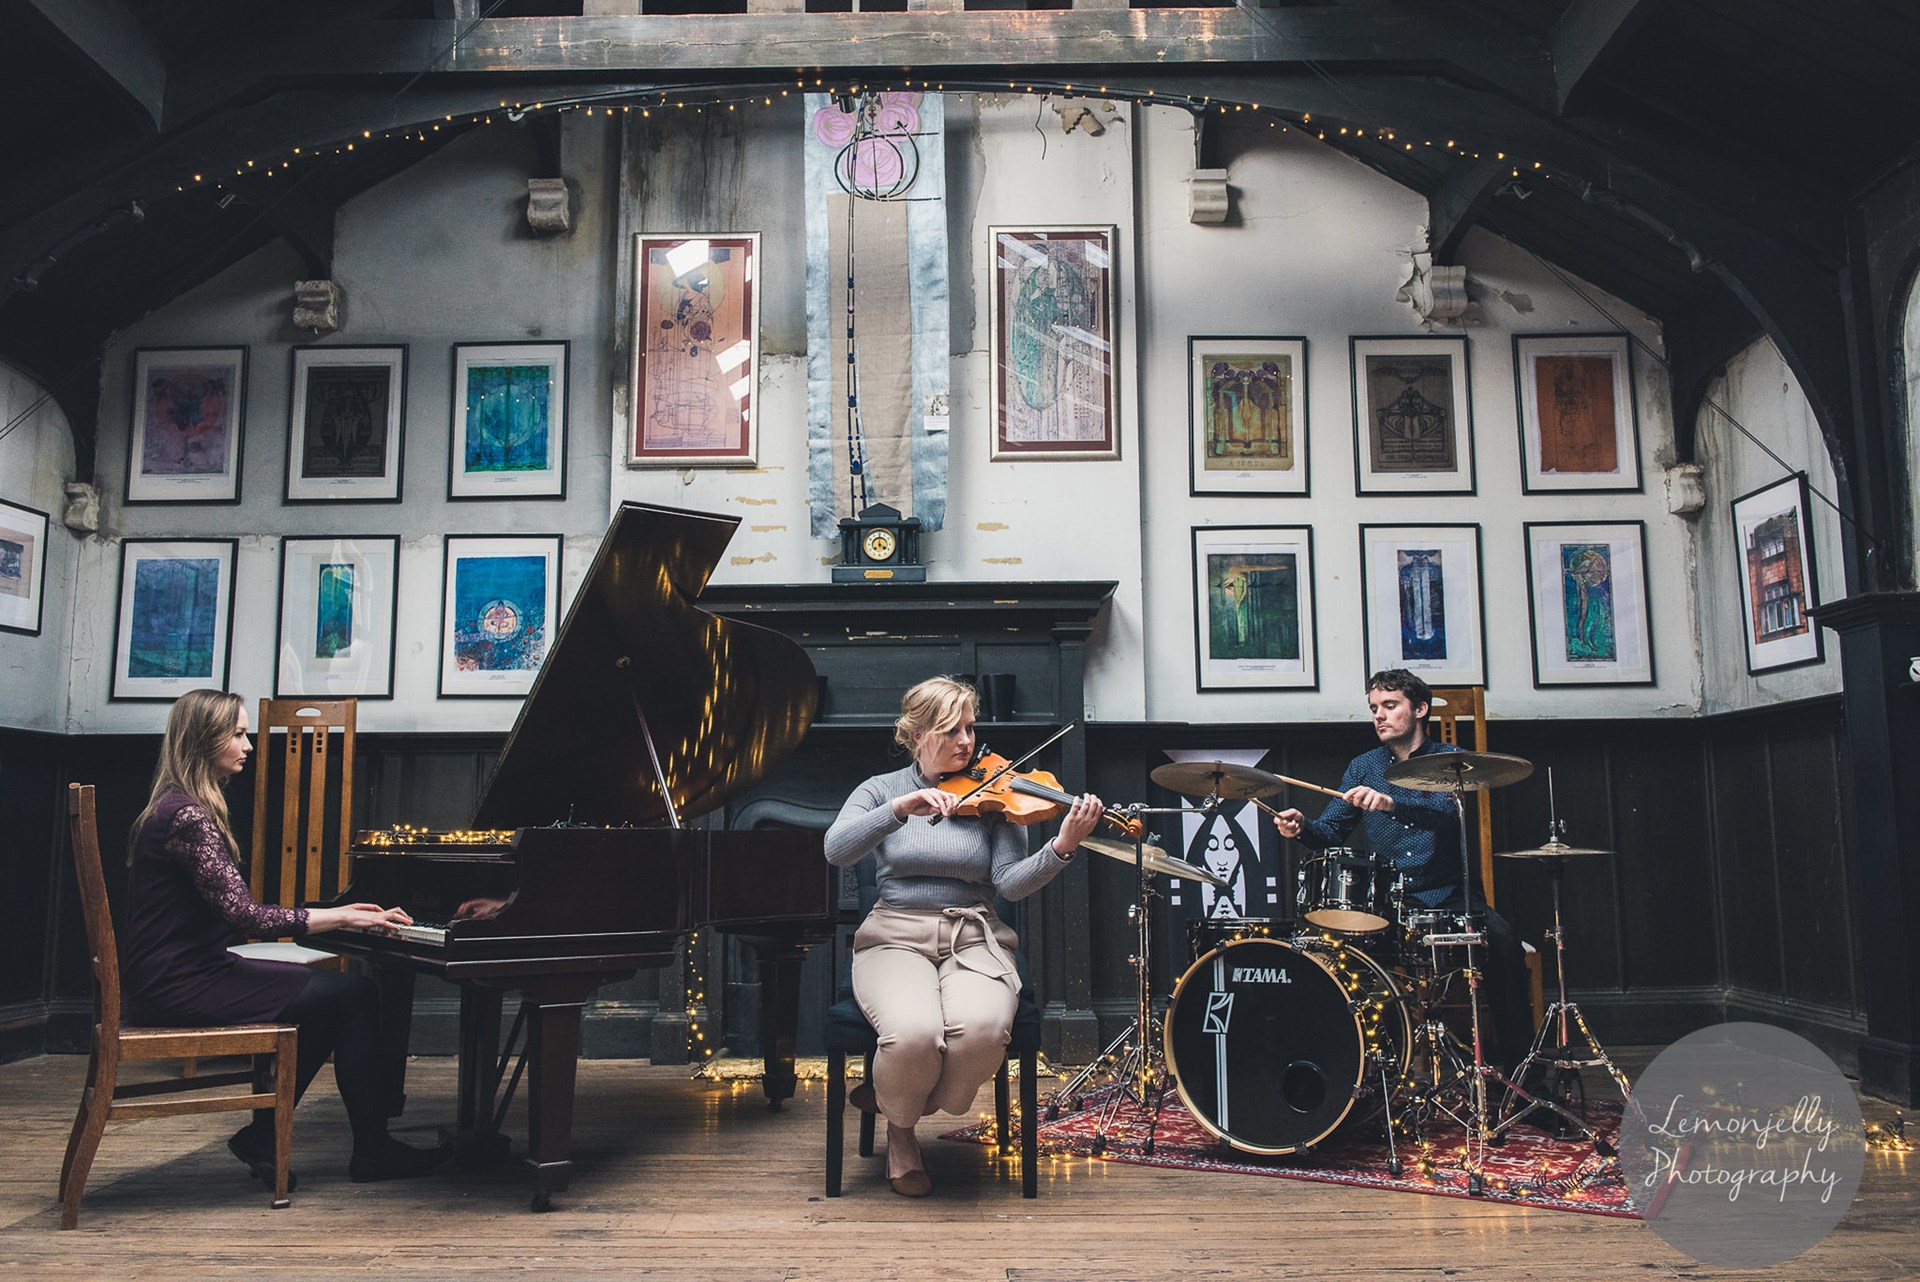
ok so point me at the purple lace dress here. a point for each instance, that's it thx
(186, 902)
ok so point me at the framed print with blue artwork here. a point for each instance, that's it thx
(23, 568)
(1421, 584)
(509, 421)
(337, 599)
(188, 403)
(1253, 608)
(1587, 595)
(174, 628)
(499, 608)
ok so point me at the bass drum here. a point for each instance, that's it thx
(1274, 1045)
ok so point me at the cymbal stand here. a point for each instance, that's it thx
(1134, 1060)
(1564, 1058)
(1477, 1117)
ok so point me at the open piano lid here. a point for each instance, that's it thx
(725, 701)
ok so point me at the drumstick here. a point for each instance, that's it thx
(1310, 787)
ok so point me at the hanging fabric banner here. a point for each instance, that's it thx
(876, 214)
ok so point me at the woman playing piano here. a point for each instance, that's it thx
(187, 899)
(932, 966)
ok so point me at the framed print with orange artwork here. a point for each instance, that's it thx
(1578, 433)
(695, 364)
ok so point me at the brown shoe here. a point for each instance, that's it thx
(862, 1098)
(912, 1184)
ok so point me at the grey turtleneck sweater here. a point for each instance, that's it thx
(958, 862)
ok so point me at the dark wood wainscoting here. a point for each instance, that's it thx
(1729, 897)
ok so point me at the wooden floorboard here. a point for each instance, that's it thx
(678, 1179)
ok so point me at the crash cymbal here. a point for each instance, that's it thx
(1467, 771)
(1156, 860)
(1552, 850)
(1205, 778)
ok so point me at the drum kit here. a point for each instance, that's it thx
(1281, 1033)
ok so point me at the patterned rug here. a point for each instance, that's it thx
(1530, 1169)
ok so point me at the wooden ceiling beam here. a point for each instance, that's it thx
(1589, 36)
(1066, 42)
(114, 44)
(1456, 204)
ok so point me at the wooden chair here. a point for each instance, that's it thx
(309, 869)
(104, 1097)
(1449, 708)
(847, 1033)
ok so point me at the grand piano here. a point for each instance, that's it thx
(647, 713)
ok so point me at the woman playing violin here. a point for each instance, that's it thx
(932, 966)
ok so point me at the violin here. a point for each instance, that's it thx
(1019, 796)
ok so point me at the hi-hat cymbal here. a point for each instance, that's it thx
(1156, 859)
(1206, 778)
(1551, 850)
(1467, 771)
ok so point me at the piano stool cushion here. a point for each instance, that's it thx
(283, 951)
(848, 1031)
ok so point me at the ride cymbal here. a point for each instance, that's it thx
(1156, 860)
(1466, 771)
(1551, 850)
(1224, 778)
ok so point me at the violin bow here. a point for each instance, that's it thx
(1011, 766)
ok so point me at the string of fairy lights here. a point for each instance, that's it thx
(700, 100)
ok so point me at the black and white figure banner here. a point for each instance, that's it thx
(1234, 844)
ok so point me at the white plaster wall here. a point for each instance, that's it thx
(1761, 393)
(440, 255)
(1318, 248)
(437, 256)
(36, 461)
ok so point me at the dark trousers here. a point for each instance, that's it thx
(1504, 1002)
(339, 1015)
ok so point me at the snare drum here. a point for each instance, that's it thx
(1275, 1044)
(1346, 891)
(1204, 934)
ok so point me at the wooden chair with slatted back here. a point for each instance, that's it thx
(1449, 708)
(312, 744)
(104, 1097)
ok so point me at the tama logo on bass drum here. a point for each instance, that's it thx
(1261, 975)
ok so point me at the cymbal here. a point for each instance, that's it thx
(1468, 771)
(1205, 778)
(1552, 850)
(1156, 859)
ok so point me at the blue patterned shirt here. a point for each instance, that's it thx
(1421, 836)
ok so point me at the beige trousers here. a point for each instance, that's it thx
(939, 987)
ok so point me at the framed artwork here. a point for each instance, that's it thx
(1247, 415)
(1587, 598)
(174, 627)
(1578, 431)
(347, 420)
(1774, 538)
(1253, 620)
(188, 404)
(23, 568)
(1412, 416)
(695, 364)
(1055, 382)
(498, 611)
(509, 421)
(1421, 587)
(337, 612)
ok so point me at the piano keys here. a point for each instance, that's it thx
(647, 713)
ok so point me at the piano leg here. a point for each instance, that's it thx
(779, 965)
(553, 1055)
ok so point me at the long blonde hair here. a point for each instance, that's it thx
(934, 705)
(198, 728)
